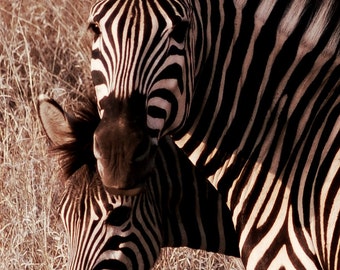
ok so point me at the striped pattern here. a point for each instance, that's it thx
(261, 79)
(264, 126)
(141, 46)
(177, 208)
(123, 232)
(252, 96)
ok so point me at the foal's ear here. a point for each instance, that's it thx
(55, 121)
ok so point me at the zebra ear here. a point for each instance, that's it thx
(55, 121)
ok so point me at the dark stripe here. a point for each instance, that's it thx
(173, 71)
(98, 77)
(110, 264)
(96, 54)
(156, 112)
(153, 133)
(169, 97)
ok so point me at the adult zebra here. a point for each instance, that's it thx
(250, 91)
(177, 206)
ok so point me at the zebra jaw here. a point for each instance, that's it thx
(126, 192)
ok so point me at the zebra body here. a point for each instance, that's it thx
(270, 140)
(106, 230)
(250, 91)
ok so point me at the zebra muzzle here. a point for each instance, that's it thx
(124, 172)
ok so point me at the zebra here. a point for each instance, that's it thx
(250, 91)
(108, 230)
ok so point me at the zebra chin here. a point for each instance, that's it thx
(133, 191)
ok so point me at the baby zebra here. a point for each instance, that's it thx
(174, 205)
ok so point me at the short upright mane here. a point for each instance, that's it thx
(79, 152)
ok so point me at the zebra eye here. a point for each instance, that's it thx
(179, 31)
(94, 28)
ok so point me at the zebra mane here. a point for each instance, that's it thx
(79, 152)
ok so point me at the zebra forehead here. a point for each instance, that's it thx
(169, 10)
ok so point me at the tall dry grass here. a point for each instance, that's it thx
(44, 48)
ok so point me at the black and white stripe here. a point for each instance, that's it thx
(142, 46)
(107, 231)
(258, 111)
(264, 126)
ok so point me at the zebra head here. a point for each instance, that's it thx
(142, 47)
(112, 231)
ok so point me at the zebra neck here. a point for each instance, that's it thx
(193, 213)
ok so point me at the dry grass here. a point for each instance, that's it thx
(44, 48)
